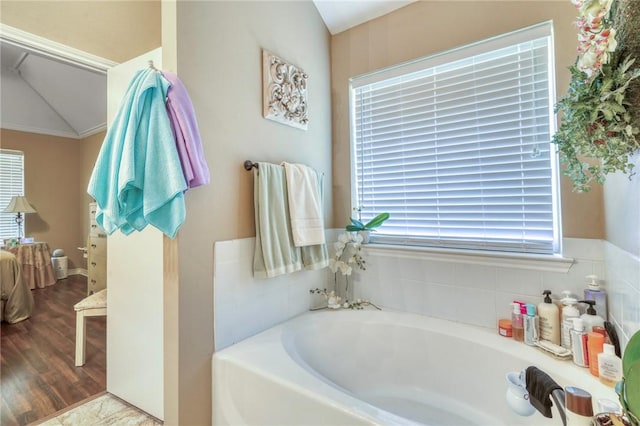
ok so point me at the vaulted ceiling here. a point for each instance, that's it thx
(40, 94)
(45, 93)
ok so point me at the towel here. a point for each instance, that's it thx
(137, 179)
(540, 385)
(304, 188)
(185, 130)
(274, 252)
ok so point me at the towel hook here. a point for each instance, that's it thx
(152, 66)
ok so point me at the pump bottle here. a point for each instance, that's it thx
(591, 318)
(549, 319)
(597, 294)
(569, 312)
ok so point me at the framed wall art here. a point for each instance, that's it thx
(284, 91)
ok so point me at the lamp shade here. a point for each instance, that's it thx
(19, 204)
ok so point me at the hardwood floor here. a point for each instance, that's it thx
(38, 376)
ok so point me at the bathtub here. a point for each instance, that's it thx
(378, 368)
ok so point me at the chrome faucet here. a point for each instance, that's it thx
(558, 398)
(557, 395)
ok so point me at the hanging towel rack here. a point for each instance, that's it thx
(248, 165)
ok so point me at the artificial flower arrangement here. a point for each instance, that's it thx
(598, 119)
(348, 255)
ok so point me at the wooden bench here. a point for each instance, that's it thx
(91, 306)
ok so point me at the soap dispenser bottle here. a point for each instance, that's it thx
(591, 318)
(569, 312)
(549, 319)
(597, 294)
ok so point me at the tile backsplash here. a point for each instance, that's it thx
(244, 306)
(463, 292)
(471, 293)
(623, 284)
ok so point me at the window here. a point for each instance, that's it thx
(456, 147)
(11, 183)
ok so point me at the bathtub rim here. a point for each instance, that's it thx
(301, 377)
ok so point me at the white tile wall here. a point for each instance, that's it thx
(244, 306)
(469, 293)
(473, 294)
(623, 272)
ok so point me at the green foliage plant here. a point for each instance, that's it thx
(629, 388)
(597, 123)
(356, 225)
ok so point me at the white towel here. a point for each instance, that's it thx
(304, 188)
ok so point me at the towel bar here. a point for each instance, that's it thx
(248, 165)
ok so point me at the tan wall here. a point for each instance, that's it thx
(52, 186)
(219, 61)
(115, 30)
(428, 27)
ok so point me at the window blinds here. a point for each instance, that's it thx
(459, 152)
(11, 183)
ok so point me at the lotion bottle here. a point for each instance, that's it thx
(549, 319)
(591, 318)
(597, 294)
(579, 343)
(569, 312)
(531, 325)
(609, 366)
(517, 324)
(595, 342)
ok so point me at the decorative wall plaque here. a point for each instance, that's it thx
(284, 91)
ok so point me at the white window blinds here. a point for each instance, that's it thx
(11, 183)
(457, 147)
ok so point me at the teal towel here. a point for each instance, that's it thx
(275, 253)
(137, 179)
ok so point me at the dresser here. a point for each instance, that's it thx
(96, 254)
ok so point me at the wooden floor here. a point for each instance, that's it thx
(38, 376)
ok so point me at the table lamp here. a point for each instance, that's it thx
(19, 204)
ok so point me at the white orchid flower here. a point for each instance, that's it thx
(333, 265)
(344, 238)
(344, 268)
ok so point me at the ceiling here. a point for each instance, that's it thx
(340, 15)
(45, 93)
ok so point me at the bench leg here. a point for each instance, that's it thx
(81, 335)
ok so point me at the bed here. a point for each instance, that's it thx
(16, 300)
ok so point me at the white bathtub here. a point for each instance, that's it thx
(378, 368)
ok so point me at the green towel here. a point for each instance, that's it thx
(275, 253)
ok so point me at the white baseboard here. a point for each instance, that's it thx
(78, 271)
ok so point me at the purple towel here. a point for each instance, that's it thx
(185, 132)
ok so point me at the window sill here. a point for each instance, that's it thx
(538, 262)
